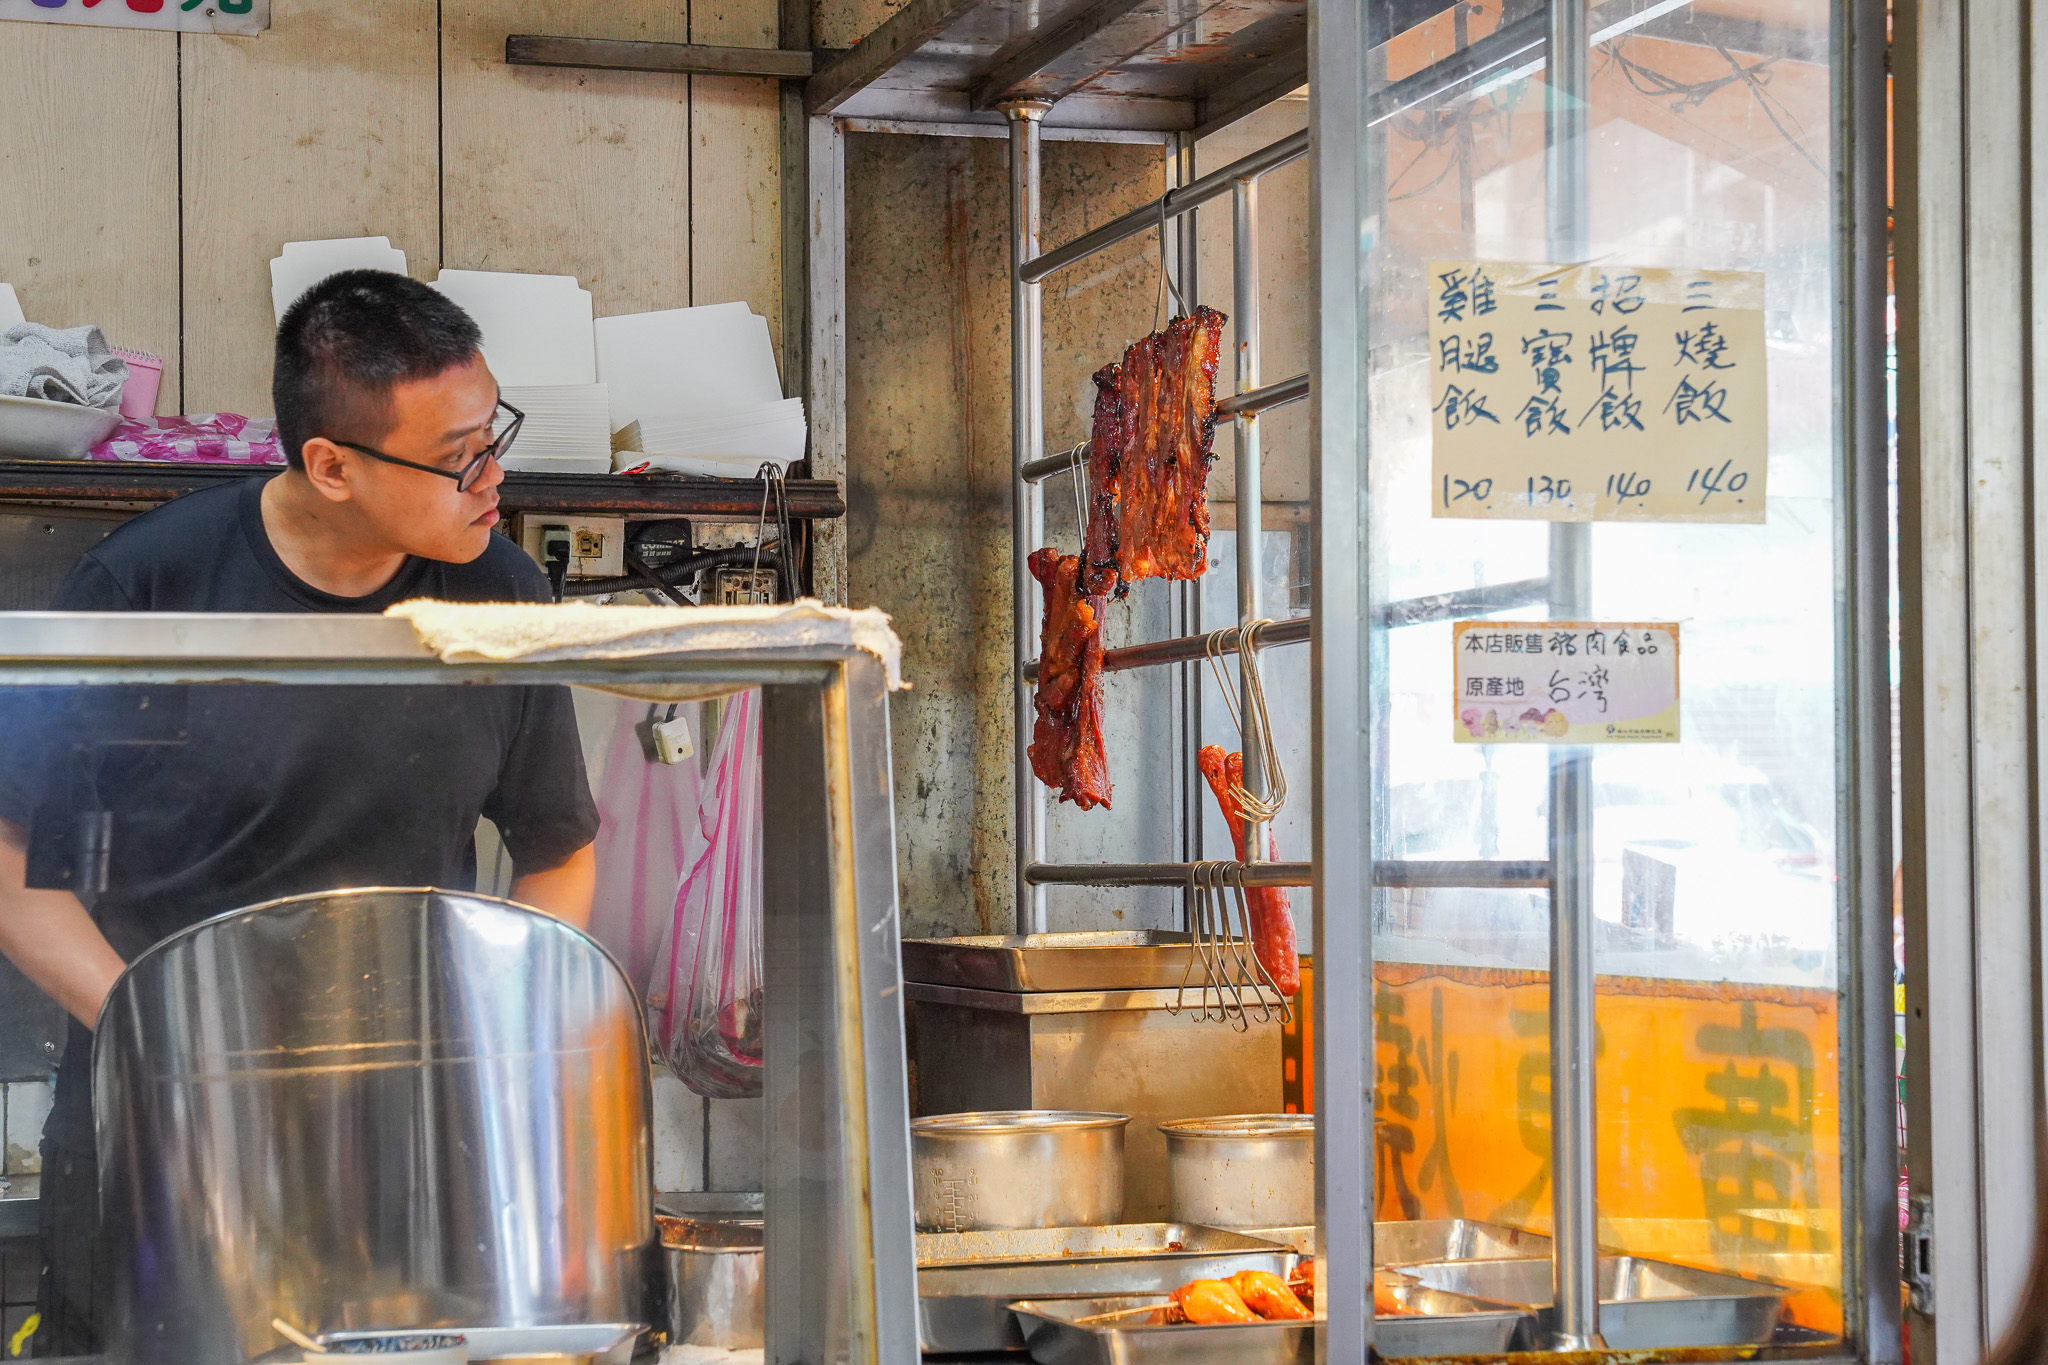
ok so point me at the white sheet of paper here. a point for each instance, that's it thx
(683, 361)
(302, 265)
(10, 307)
(1565, 682)
(537, 328)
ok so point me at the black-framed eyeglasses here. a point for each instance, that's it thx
(465, 477)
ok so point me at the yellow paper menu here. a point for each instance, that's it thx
(1596, 393)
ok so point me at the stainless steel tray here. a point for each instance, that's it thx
(1644, 1305)
(1130, 960)
(1428, 1239)
(967, 1280)
(1055, 1338)
(1473, 1333)
(1453, 1239)
(608, 1343)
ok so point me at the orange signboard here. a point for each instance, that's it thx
(1717, 1111)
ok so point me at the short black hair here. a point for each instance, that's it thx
(348, 341)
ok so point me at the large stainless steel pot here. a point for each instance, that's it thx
(371, 1109)
(1017, 1168)
(1242, 1170)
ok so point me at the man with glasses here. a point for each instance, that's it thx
(224, 796)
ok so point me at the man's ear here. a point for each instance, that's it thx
(327, 469)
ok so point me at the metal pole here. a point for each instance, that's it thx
(1027, 506)
(1244, 222)
(1574, 1209)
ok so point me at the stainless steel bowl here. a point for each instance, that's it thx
(1242, 1170)
(714, 1280)
(1018, 1168)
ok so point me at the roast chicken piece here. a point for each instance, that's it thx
(1272, 927)
(1302, 1280)
(1210, 1302)
(1066, 741)
(1268, 1295)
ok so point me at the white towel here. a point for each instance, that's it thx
(465, 632)
(71, 365)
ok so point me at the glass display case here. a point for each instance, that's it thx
(387, 1110)
(1601, 352)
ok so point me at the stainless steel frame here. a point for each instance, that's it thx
(1575, 1249)
(838, 1155)
(1342, 199)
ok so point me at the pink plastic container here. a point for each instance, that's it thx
(145, 372)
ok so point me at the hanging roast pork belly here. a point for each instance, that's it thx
(1066, 742)
(1149, 456)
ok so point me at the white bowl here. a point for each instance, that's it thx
(38, 429)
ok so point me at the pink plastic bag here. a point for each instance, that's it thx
(647, 839)
(709, 1025)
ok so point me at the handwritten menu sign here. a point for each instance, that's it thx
(1565, 682)
(1596, 393)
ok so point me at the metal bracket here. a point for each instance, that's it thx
(1917, 1246)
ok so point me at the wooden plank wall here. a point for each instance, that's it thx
(159, 173)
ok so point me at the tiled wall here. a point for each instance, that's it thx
(702, 1144)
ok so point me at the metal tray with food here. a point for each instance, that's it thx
(967, 1280)
(1118, 1329)
(1110, 960)
(1644, 1305)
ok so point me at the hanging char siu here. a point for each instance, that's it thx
(1066, 742)
(1149, 455)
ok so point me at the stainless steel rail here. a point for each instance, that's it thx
(1465, 602)
(1247, 403)
(1477, 872)
(1173, 203)
(1473, 872)
(1040, 470)
(1250, 494)
(1410, 611)
(1027, 514)
(1575, 1249)
(1190, 648)
(1158, 874)
(1250, 401)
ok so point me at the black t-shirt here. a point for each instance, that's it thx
(226, 795)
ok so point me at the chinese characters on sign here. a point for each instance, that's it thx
(242, 17)
(1565, 682)
(1596, 393)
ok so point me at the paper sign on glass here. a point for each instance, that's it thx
(1596, 393)
(1565, 682)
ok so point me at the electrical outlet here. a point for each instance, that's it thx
(597, 545)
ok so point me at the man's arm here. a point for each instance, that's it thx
(564, 892)
(51, 937)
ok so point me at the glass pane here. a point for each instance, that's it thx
(1711, 852)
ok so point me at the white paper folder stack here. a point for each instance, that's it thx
(565, 432)
(702, 384)
(539, 343)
